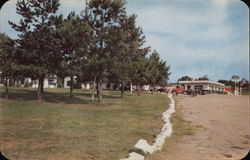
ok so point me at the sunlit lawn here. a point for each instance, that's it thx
(75, 128)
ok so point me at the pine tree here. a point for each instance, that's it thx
(139, 68)
(37, 47)
(120, 57)
(101, 14)
(7, 60)
(75, 36)
(125, 42)
(158, 71)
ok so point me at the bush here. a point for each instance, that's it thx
(26, 84)
(59, 83)
(30, 84)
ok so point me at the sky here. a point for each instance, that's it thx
(194, 37)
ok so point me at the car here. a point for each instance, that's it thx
(189, 91)
(178, 91)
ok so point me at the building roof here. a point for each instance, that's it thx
(201, 82)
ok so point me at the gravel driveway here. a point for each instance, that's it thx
(226, 119)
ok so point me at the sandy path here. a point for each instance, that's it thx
(227, 135)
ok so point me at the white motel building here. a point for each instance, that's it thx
(203, 85)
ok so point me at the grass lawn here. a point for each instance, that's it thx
(75, 128)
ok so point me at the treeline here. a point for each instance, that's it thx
(187, 78)
(102, 44)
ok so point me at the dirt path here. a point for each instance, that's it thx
(226, 119)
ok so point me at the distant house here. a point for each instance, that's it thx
(67, 83)
(203, 85)
(52, 82)
(146, 87)
(49, 82)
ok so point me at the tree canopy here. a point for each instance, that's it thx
(185, 78)
(8, 65)
(37, 44)
(101, 45)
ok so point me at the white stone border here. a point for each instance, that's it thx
(142, 146)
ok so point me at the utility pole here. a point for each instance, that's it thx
(235, 78)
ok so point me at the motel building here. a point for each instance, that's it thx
(204, 85)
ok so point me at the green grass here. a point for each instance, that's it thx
(75, 128)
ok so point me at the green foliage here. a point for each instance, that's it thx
(59, 83)
(37, 45)
(101, 15)
(74, 36)
(102, 45)
(158, 70)
(205, 77)
(26, 84)
(185, 78)
(125, 46)
(227, 82)
(18, 85)
(38, 49)
(7, 56)
(7, 60)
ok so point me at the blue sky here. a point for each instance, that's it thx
(195, 37)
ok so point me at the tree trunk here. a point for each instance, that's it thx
(71, 86)
(39, 91)
(42, 84)
(10, 82)
(6, 87)
(63, 82)
(138, 89)
(99, 91)
(131, 88)
(122, 89)
(93, 90)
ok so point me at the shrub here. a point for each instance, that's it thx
(59, 83)
(26, 84)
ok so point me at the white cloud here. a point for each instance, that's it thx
(187, 23)
(193, 34)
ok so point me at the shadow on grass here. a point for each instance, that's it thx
(62, 96)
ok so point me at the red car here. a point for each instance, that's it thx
(178, 90)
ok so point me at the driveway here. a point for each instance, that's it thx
(226, 119)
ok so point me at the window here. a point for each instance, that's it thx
(68, 83)
(198, 87)
(51, 81)
(35, 82)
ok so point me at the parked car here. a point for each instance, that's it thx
(178, 91)
(189, 91)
